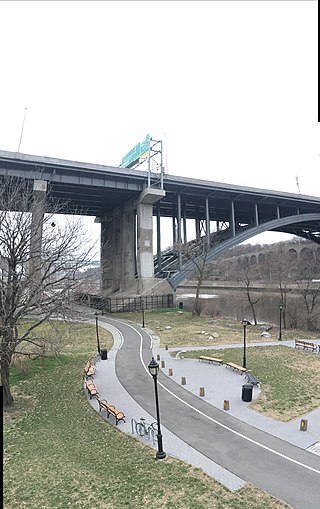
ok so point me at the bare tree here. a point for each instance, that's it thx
(279, 265)
(245, 274)
(289, 270)
(309, 291)
(38, 265)
(196, 253)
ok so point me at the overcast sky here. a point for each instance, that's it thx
(230, 86)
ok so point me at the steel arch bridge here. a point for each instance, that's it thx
(302, 225)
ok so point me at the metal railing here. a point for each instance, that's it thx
(125, 304)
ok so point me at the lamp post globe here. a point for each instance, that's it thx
(153, 367)
(154, 370)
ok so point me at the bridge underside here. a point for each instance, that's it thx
(224, 215)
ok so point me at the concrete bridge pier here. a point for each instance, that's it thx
(146, 282)
(127, 267)
(37, 214)
(122, 246)
(106, 254)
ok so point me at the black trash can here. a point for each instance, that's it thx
(247, 392)
(104, 354)
(180, 305)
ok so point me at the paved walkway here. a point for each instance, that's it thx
(219, 382)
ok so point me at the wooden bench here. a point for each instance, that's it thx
(251, 378)
(236, 367)
(111, 410)
(306, 345)
(210, 359)
(89, 369)
(92, 390)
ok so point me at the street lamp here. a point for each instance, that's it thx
(244, 323)
(97, 331)
(142, 308)
(154, 370)
(280, 321)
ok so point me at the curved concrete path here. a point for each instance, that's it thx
(274, 465)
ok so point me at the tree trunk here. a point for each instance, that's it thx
(7, 346)
(197, 304)
(5, 379)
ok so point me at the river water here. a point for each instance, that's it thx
(234, 304)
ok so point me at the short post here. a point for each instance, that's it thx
(154, 370)
(170, 372)
(97, 331)
(226, 404)
(183, 380)
(303, 424)
(201, 392)
(163, 364)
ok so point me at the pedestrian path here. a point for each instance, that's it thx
(197, 375)
(110, 388)
(221, 383)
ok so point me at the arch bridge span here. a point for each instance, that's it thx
(303, 225)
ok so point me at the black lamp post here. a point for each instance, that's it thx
(244, 323)
(280, 321)
(154, 370)
(97, 331)
(142, 308)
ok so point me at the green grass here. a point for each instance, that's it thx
(70, 336)
(185, 330)
(60, 453)
(290, 378)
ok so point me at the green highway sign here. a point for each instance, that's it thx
(140, 150)
(145, 146)
(131, 157)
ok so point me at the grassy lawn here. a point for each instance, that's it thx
(290, 378)
(59, 452)
(204, 331)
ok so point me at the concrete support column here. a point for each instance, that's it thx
(207, 221)
(179, 231)
(145, 234)
(184, 220)
(197, 222)
(127, 239)
(232, 219)
(106, 253)
(123, 247)
(159, 239)
(37, 211)
(128, 258)
(174, 230)
(256, 214)
(117, 249)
